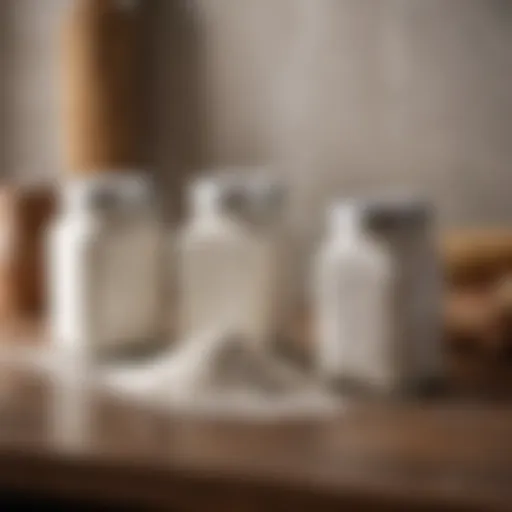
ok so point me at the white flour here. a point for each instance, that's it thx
(212, 375)
(222, 375)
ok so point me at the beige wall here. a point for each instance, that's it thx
(28, 70)
(341, 95)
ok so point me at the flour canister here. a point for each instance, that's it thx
(407, 226)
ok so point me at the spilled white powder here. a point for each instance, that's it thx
(211, 375)
(221, 375)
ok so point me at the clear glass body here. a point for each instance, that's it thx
(352, 311)
(104, 276)
(226, 279)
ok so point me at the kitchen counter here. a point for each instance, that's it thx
(447, 454)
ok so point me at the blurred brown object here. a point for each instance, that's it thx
(478, 307)
(100, 55)
(472, 320)
(25, 211)
(477, 255)
(503, 293)
(503, 299)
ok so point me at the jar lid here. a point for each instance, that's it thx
(397, 210)
(107, 192)
(246, 193)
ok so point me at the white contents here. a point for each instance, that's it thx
(104, 267)
(216, 374)
(352, 304)
(405, 228)
(261, 205)
(226, 272)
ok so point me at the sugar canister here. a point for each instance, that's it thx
(406, 225)
(105, 245)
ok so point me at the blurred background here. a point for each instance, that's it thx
(338, 95)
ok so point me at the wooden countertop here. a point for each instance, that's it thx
(448, 454)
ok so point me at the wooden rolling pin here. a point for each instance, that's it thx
(101, 86)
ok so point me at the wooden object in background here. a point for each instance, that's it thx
(477, 255)
(100, 86)
(478, 306)
(502, 296)
(473, 320)
(25, 212)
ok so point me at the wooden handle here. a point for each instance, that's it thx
(100, 57)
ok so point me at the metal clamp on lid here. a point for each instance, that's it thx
(108, 193)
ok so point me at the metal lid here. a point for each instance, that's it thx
(265, 195)
(255, 196)
(105, 193)
(397, 211)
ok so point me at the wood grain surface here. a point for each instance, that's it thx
(449, 453)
